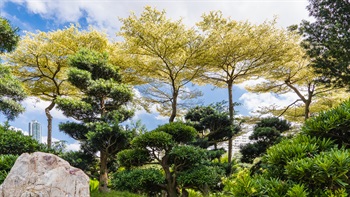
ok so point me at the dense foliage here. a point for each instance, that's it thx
(8, 36)
(12, 144)
(212, 123)
(327, 40)
(100, 109)
(6, 163)
(181, 166)
(314, 163)
(267, 132)
(16, 143)
(11, 91)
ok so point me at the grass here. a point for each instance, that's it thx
(113, 193)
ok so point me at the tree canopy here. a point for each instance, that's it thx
(294, 74)
(40, 61)
(238, 51)
(11, 90)
(327, 40)
(165, 56)
(212, 123)
(8, 36)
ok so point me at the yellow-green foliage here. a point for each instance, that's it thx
(93, 185)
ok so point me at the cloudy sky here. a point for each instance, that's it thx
(50, 15)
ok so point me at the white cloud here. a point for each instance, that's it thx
(19, 129)
(104, 14)
(44, 139)
(73, 147)
(69, 147)
(253, 101)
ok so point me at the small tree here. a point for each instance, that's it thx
(183, 166)
(100, 109)
(213, 124)
(40, 61)
(266, 133)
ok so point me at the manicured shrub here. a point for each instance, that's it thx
(138, 181)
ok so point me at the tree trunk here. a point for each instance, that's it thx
(49, 123)
(173, 107)
(205, 190)
(307, 110)
(184, 193)
(170, 181)
(231, 112)
(103, 172)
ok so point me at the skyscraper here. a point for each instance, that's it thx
(35, 130)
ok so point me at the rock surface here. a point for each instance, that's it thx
(44, 175)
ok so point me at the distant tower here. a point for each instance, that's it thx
(35, 130)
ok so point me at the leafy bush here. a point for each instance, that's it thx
(133, 157)
(327, 170)
(6, 163)
(332, 124)
(138, 181)
(93, 185)
(297, 190)
(204, 178)
(16, 143)
(316, 162)
(114, 194)
(278, 156)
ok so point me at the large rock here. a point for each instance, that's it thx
(44, 175)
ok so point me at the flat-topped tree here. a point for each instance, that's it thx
(238, 51)
(183, 166)
(166, 56)
(100, 109)
(295, 75)
(11, 91)
(40, 61)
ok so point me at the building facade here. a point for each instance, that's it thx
(35, 130)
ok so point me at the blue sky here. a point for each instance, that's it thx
(46, 15)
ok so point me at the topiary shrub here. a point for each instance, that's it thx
(144, 181)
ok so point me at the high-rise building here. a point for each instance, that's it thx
(35, 130)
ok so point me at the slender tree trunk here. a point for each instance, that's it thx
(173, 106)
(205, 190)
(184, 193)
(307, 110)
(170, 182)
(103, 172)
(231, 112)
(49, 123)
